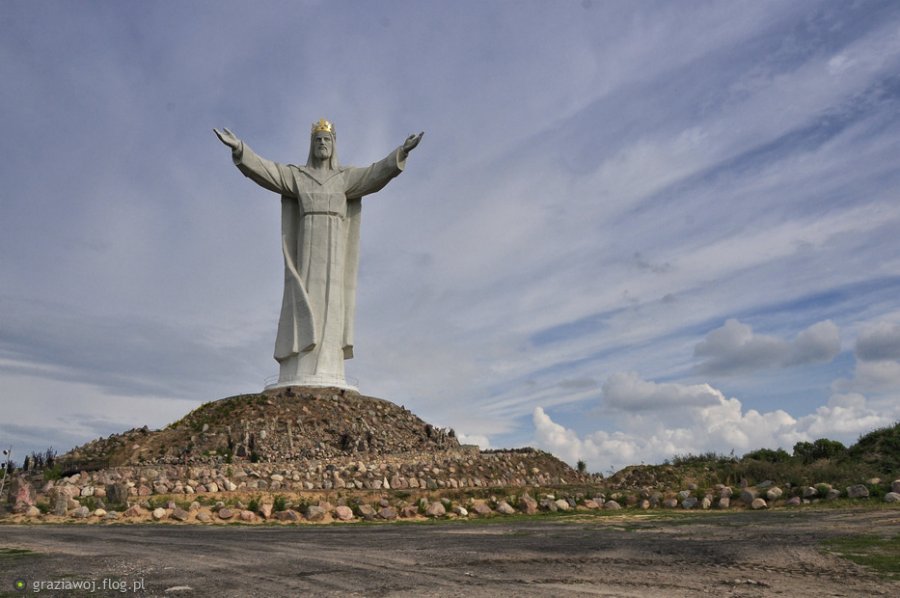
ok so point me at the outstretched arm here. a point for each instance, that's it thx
(363, 181)
(268, 174)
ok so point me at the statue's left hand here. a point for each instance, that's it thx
(412, 141)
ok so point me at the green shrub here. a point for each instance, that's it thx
(820, 449)
(768, 455)
(52, 473)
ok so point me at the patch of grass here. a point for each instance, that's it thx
(15, 553)
(878, 553)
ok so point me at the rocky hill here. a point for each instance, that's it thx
(292, 424)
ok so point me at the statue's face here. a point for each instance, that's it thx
(323, 145)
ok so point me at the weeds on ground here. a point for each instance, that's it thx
(879, 553)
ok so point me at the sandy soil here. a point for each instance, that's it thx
(697, 554)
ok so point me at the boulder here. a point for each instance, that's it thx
(794, 501)
(689, 502)
(724, 502)
(504, 508)
(706, 502)
(482, 510)
(367, 512)
(774, 493)
(134, 511)
(748, 495)
(758, 503)
(265, 510)
(590, 504)
(32, 511)
(461, 511)
(670, 503)
(858, 491)
(289, 515)
(204, 517)
(562, 504)
(60, 502)
(528, 505)
(387, 513)
(21, 494)
(159, 514)
(117, 494)
(343, 513)
(892, 497)
(180, 514)
(895, 486)
(81, 513)
(69, 490)
(612, 505)
(247, 516)
(435, 509)
(315, 513)
(225, 514)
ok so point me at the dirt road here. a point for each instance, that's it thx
(727, 554)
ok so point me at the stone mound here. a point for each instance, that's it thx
(289, 424)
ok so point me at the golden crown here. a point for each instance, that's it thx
(322, 125)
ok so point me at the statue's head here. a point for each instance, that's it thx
(322, 144)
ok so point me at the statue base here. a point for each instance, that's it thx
(314, 381)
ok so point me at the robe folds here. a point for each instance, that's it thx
(320, 218)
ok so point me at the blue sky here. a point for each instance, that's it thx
(633, 229)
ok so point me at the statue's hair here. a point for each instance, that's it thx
(333, 161)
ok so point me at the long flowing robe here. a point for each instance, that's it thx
(320, 216)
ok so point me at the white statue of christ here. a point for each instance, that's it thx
(320, 214)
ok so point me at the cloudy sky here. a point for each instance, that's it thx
(632, 230)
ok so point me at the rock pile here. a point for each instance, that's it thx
(449, 470)
(282, 425)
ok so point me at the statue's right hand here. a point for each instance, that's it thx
(228, 138)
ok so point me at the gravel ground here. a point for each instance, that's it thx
(673, 555)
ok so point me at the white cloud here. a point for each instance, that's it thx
(725, 425)
(845, 416)
(736, 348)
